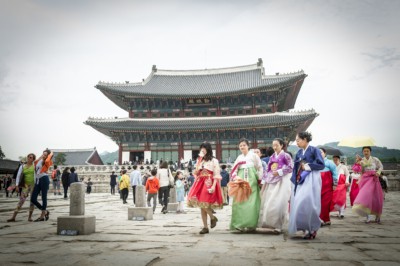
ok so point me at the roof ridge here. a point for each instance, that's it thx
(72, 150)
(206, 71)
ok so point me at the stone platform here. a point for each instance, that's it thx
(173, 239)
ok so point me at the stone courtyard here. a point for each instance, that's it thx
(173, 239)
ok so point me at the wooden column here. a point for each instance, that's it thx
(254, 139)
(218, 148)
(120, 154)
(180, 148)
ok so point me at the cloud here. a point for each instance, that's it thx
(383, 57)
(7, 90)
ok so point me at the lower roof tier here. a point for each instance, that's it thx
(109, 127)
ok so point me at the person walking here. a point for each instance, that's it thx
(152, 187)
(224, 184)
(166, 180)
(305, 199)
(56, 177)
(275, 193)
(65, 181)
(355, 176)
(369, 200)
(42, 182)
(329, 178)
(25, 183)
(340, 193)
(113, 182)
(124, 185)
(73, 177)
(206, 191)
(247, 168)
(135, 180)
(89, 185)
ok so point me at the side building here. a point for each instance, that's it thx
(172, 112)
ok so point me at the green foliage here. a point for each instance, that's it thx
(60, 158)
(109, 157)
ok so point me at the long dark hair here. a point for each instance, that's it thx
(209, 156)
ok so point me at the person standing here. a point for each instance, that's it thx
(369, 200)
(305, 199)
(165, 177)
(89, 185)
(135, 180)
(180, 191)
(152, 187)
(73, 177)
(269, 152)
(206, 191)
(339, 194)
(224, 184)
(124, 185)
(113, 182)
(56, 177)
(42, 182)
(190, 180)
(7, 183)
(25, 183)
(65, 181)
(275, 192)
(329, 177)
(248, 168)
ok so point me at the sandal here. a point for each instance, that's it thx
(47, 215)
(11, 220)
(39, 220)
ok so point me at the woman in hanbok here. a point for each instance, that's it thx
(305, 200)
(340, 193)
(205, 192)
(329, 177)
(247, 168)
(369, 200)
(275, 195)
(354, 188)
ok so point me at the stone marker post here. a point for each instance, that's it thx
(140, 210)
(172, 204)
(77, 221)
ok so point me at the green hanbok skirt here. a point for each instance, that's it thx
(245, 214)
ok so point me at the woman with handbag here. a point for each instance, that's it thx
(25, 183)
(166, 181)
(206, 192)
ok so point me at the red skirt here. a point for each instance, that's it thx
(339, 195)
(200, 197)
(326, 195)
(354, 189)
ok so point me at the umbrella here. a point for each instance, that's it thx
(357, 141)
(331, 151)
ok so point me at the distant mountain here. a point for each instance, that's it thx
(109, 157)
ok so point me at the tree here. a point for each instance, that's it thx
(2, 155)
(60, 159)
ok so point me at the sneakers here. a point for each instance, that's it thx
(204, 231)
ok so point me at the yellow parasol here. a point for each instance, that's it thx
(357, 141)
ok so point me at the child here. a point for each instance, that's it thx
(180, 191)
(89, 186)
(152, 187)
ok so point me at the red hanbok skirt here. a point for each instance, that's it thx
(339, 195)
(326, 195)
(200, 197)
(354, 189)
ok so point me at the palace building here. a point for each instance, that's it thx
(172, 112)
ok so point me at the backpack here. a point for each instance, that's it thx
(54, 174)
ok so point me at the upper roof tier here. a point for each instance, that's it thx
(201, 83)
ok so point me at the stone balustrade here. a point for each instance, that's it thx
(100, 175)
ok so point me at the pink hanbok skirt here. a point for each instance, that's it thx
(339, 195)
(370, 197)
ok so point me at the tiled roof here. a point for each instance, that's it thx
(201, 83)
(107, 126)
(8, 166)
(75, 156)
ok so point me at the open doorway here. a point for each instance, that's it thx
(136, 157)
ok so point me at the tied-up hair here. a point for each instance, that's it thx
(209, 155)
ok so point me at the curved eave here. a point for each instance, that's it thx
(111, 126)
(115, 89)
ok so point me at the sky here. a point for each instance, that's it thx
(52, 53)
